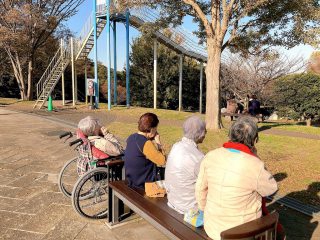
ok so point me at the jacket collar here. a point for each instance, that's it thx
(239, 146)
(189, 141)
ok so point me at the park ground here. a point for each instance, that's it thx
(31, 157)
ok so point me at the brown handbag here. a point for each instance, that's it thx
(153, 190)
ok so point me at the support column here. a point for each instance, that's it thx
(72, 73)
(127, 62)
(201, 85)
(108, 54)
(180, 82)
(115, 82)
(85, 80)
(62, 76)
(95, 54)
(155, 70)
(75, 84)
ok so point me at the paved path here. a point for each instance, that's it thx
(31, 206)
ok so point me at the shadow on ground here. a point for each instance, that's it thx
(299, 226)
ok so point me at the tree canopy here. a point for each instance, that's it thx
(141, 71)
(248, 26)
(298, 95)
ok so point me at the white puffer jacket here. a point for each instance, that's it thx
(229, 189)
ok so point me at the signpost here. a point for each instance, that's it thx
(90, 91)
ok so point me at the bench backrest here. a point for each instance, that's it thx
(263, 228)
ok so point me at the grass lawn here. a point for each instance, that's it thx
(295, 158)
(292, 127)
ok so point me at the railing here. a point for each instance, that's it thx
(87, 27)
(62, 53)
(178, 34)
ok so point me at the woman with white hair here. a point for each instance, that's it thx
(99, 136)
(183, 165)
(233, 180)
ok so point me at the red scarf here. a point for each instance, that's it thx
(243, 148)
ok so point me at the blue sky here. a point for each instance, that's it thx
(76, 23)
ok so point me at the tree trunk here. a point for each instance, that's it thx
(30, 85)
(17, 71)
(213, 86)
(308, 121)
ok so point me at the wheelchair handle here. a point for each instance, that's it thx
(75, 142)
(65, 134)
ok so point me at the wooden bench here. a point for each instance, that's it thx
(161, 216)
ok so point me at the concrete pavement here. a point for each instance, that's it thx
(31, 206)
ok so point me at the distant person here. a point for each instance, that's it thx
(232, 106)
(254, 106)
(183, 166)
(100, 137)
(141, 155)
(232, 181)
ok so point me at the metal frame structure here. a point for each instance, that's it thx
(103, 15)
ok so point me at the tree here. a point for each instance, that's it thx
(25, 27)
(141, 86)
(242, 25)
(314, 62)
(255, 74)
(298, 95)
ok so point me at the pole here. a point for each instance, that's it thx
(155, 65)
(108, 54)
(95, 54)
(127, 62)
(62, 77)
(75, 84)
(180, 82)
(201, 84)
(72, 73)
(85, 80)
(115, 84)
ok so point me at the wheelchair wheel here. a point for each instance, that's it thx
(90, 194)
(68, 177)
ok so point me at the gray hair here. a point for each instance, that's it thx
(245, 131)
(194, 128)
(88, 125)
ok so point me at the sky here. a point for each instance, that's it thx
(77, 22)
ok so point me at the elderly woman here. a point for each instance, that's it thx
(99, 136)
(141, 155)
(183, 165)
(233, 180)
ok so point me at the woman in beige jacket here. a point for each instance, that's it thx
(233, 180)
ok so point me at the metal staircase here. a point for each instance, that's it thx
(85, 42)
(52, 75)
(82, 47)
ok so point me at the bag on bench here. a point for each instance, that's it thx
(153, 190)
(194, 217)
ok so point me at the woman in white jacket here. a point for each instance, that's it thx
(233, 180)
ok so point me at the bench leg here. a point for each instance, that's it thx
(115, 209)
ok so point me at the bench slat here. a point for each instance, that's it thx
(157, 210)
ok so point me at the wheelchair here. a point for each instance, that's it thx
(85, 178)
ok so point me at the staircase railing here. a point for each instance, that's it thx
(61, 54)
(86, 29)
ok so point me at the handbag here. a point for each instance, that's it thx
(194, 217)
(152, 189)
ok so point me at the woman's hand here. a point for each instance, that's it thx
(157, 139)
